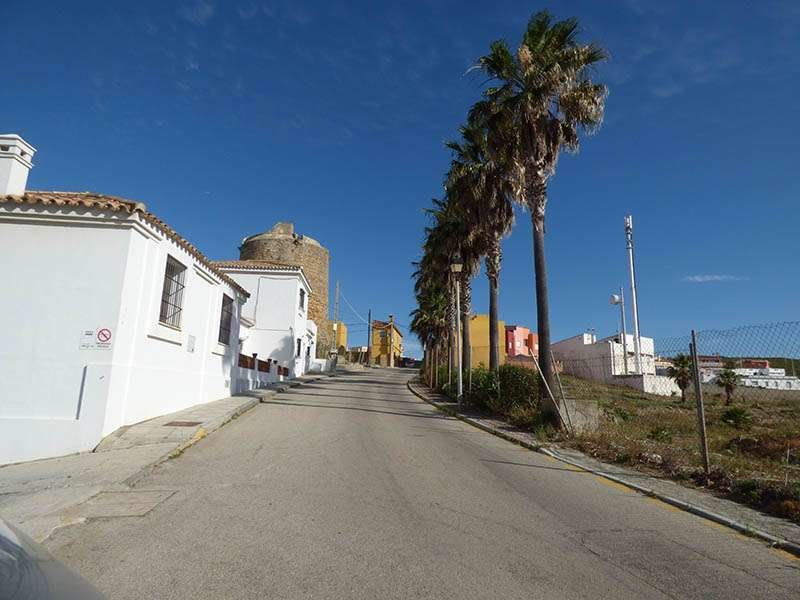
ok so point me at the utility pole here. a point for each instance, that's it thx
(335, 341)
(369, 337)
(637, 340)
(391, 340)
(336, 304)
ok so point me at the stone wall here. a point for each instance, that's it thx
(281, 245)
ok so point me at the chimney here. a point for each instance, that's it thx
(15, 162)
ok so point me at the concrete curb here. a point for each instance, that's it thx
(773, 541)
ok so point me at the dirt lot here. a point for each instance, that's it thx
(754, 443)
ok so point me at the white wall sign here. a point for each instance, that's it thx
(95, 339)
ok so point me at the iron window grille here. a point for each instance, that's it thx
(172, 293)
(299, 344)
(225, 319)
(302, 298)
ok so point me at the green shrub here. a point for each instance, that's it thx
(660, 434)
(484, 388)
(736, 416)
(519, 386)
(525, 417)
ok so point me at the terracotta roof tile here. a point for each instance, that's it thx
(255, 264)
(90, 200)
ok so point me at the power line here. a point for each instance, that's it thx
(355, 312)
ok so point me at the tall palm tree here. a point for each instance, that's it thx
(681, 371)
(448, 235)
(541, 97)
(478, 180)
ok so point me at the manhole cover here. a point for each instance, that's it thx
(122, 504)
(182, 423)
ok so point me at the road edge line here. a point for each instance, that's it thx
(774, 541)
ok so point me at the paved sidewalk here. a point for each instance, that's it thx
(777, 532)
(42, 495)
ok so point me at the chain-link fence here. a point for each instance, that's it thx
(755, 363)
(745, 382)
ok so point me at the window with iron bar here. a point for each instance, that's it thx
(172, 293)
(226, 316)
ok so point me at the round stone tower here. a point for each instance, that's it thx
(281, 245)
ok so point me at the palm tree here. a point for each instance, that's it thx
(479, 182)
(540, 99)
(428, 323)
(728, 380)
(681, 371)
(448, 235)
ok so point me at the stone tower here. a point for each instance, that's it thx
(281, 245)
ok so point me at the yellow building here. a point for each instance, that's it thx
(384, 335)
(479, 340)
(339, 335)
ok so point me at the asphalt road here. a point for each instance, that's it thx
(353, 488)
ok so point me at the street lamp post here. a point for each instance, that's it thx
(455, 267)
(615, 299)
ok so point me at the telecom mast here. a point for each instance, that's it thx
(637, 340)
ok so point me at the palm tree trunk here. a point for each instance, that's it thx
(493, 258)
(466, 309)
(451, 365)
(543, 314)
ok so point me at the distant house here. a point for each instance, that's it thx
(109, 317)
(479, 340)
(521, 341)
(276, 327)
(387, 344)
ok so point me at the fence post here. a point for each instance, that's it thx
(701, 413)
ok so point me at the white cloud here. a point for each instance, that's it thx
(712, 278)
(197, 13)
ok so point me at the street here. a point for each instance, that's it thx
(352, 487)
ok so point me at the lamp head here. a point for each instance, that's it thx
(456, 264)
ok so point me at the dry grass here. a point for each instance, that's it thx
(754, 445)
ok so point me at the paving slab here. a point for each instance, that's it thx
(128, 503)
(43, 495)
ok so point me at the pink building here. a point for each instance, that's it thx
(519, 340)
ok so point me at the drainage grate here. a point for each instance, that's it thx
(182, 423)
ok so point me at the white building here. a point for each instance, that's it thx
(108, 317)
(767, 378)
(277, 327)
(606, 361)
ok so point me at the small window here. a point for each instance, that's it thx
(172, 293)
(226, 316)
(302, 298)
(299, 349)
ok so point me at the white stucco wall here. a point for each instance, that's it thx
(604, 361)
(70, 272)
(278, 319)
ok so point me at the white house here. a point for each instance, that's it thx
(278, 328)
(108, 317)
(606, 361)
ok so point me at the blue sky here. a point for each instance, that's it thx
(225, 117)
